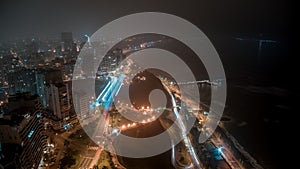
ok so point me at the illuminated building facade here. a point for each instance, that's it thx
(22, 134)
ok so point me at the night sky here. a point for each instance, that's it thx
(47, 18)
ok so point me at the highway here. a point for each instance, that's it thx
(184, 132)
(174, 161)
(106, 98)
(226, 153)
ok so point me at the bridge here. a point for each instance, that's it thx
(213, 83)
(112, 88)
(106, 99)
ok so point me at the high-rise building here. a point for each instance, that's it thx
(26, 80)
(67, 40)
(58, 100)
(88, 56)
(22, 134)
(81, 104)
(41, 87)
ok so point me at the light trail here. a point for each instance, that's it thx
(109, 89)
(103, 91)
(186, 140)
(106, 98)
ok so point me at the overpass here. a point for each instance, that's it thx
(105, 99)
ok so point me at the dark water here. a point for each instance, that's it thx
(258, 97)
(258, 121)
(162, 161)
(256, 115)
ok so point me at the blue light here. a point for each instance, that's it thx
(30, 133)
(220, 149)
(104, 90)
(66, 126)
(38, 115)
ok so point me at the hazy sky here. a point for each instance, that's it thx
(47, 18)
